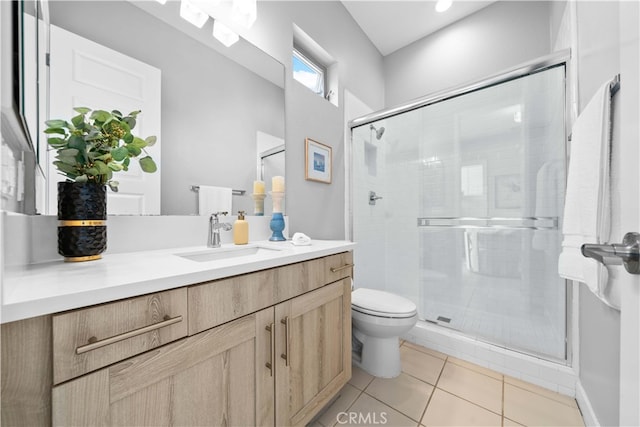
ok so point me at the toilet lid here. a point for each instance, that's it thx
(381, 302)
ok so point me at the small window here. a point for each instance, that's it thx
(308, 72)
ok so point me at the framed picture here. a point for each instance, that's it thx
(318, 161)
(508, 192)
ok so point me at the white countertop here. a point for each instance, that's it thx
(39, 289)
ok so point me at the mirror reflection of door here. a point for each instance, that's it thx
(86, 74)
(270, 163)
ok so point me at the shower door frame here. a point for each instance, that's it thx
(560, 58)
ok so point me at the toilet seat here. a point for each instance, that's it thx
(382, 304)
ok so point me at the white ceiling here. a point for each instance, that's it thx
(393, 24)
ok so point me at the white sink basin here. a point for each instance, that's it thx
(214, 254)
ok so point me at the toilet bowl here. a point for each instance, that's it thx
(378, 320)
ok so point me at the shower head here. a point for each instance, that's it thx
(379, 132)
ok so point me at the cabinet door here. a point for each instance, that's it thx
(217, 377)
(314, 349)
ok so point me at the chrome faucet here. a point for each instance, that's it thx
(214, 229)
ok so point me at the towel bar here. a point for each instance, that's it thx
(614, 87)
(528, 223)
(196, 188)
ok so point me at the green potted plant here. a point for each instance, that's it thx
(90, 148)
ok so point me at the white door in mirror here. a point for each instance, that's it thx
(86, 74)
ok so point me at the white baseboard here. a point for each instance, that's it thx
(588, 414)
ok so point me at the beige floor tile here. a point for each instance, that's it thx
(474, 367)
(421, 365)
(425, 350)
(448, 410)
(348, 395)
(359, 378)
(529, 408)
(567, 400)
(472, 386)
(367, 411)
(506, 422)
(404, 393)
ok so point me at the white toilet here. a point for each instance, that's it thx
(378, 320)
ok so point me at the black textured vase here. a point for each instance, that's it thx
(82, 220)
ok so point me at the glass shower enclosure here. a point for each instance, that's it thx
(467, 212)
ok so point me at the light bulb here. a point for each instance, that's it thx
(224, 34)
(191, 13)
(443, 5)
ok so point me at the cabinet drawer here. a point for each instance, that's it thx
(217, 302)
(335, 267)
(91, 338)
(296, 279)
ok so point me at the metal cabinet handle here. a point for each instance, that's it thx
(627, 253)
(285, 355)
(94, 343)
(272, 346)
(344, 267)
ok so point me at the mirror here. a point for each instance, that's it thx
(22, 48)
(29, 14)
(216, 102)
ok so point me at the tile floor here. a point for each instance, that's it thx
(438, 390)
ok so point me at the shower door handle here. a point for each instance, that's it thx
(627, 253)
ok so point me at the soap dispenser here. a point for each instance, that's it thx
(241, 230)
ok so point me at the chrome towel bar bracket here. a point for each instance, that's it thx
(627, 253)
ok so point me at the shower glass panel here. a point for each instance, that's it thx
(469, 222)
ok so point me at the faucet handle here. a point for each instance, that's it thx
(215, 214)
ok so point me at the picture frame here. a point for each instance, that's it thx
(508, 191)
(318, 161)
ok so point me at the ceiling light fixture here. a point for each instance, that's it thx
(244, 12)
(443, 5)
(224, 34)
(192, 14)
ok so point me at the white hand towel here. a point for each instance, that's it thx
(213, 199)
(587, 210)
(301, 239)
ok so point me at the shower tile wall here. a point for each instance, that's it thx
(388, 245)
(494, 153)
(369, 221)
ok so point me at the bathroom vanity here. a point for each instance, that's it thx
(261, 340)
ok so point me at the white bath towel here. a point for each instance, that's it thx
(550, 181)
(587, 210)
(213, 199)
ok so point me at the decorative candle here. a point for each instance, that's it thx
(277, 184)
(258, 187)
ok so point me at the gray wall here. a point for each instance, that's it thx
(211, 107)
(493, 39)
(599, 325)
(315, 208)
(599, 355)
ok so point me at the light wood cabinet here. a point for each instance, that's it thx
(217, 377)
(261, 349)
(248, 293)
(88, 339)
(315, 349)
